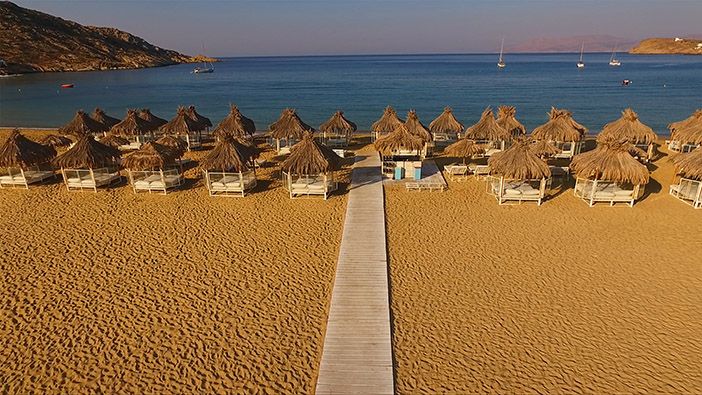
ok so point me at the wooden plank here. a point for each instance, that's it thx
(357, 352)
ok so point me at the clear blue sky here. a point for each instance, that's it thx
(275, 27)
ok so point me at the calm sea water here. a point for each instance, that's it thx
(664, 88)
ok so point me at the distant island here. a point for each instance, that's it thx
(32, 41)
(668, 46)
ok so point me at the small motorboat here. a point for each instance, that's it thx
(203, 70)
(626, 82)
(66, 86)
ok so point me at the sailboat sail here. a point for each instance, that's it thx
(501, 63)
(581, 64)
(613, 61)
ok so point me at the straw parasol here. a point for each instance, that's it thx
(100, 116)
(19, 151)
(446, 122)
(56, 141)
(399, 139)
(87, 153)
(202, 120)
(311, 157)
(506, 117)
(628, 128)
(387, 123)
(487, 129)
(235, 124)
(560, 127)
(229, 154)
(131, 125)
(182, 123)
(688, 130)
(519, 162)
(689, 165)
(415, 126)
(338, 125)
(464, 148)
(611, 160)
(114, 140)
(544, 148)
(82, 124)
(152, 119)
(176, 144)
(150, 156)
(289, 125)
(695, 118)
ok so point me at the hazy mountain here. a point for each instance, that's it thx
(593, 43)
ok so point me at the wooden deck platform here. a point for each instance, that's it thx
(431, 180)
(357, 353)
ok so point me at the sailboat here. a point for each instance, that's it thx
(206, 67)
(501, 63)
(613, 61)
(581, 64)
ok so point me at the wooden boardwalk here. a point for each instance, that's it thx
(357, 354)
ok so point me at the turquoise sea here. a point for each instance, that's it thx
(663, 88)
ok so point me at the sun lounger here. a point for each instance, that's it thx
(688, 191)
(155, 181)
(605, 192)
(456, 171)
(24, 178)
(81, 179)
(306, 186)
(481, 171)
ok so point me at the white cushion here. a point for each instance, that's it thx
(604, 194)
(623, 192)
(513, 192)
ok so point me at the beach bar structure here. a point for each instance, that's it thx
(445, 127)
(309, 169)
(609, 174)
(507, 118)
(488, 133)
(387, 123)
(337, 131)
(229, 168)
(152, 168)
(287, 131)
(235, 125)
(686, 135)
(563, 132)
(687, 185)
(401, 152)
(24, 162)
(184, 126)
(518, 175)
(629, 128)
(89, 165)
(136, 130)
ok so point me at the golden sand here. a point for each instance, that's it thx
(560, 298)
(183, 293)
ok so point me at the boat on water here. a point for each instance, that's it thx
(581, 64)
(66, 86)
(613, 61)
(501, 62)
(206, 68)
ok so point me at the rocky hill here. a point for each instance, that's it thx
(32, 41)
(593, 43)
(663, 46)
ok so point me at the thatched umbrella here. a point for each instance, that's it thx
(310, 157)
(519, 162)
(611, 161)
(415, 126)
(289, 125)
(506, 117)
(199, 118)
(20, 152)
(181, 124)
(387, 123)
(229, 154)
(151, 156)
(688, 131)
(689, 165)
(100, 116)
(397, 140)
(176, 144)
(694, 119)
(82, 124)
(87, 153)
(56, 141)
(114, 141)
(544, 148)
(561, 127)
(446, 123)
(152, 119)
(235, 124)
(487, 129)
(338, 125)
(628, 128)
(464, 148)
(131, 125)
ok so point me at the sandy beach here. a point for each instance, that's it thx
(116, 292)
(560, 298)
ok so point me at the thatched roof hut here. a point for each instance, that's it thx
(387, 123)
(689, 165)
(694, 119)
(182, 123)
(202, 120)
(628, 128)
(519, 162)
(176, 144)
(82, 124)
(100, 116)
(311, 157)
(446, 122)
(338, 125)
(611, 161)
(56, 141)
(415, 126)
(487, 129)
(235, 124)
(464, 148)
(114, 140)
(399, 139)
(19, 151)
(229, 154)
(560, 127)
(87, 153)
(151, 156)
(289, 125)
(507, 118)
(154, 121)
(544, 148)
(131, 125)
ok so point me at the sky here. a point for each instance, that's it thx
(319, 27)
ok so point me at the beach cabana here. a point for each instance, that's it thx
(518, 175)
(488, 133)
(446, 127)
(387, 123)
(563, 132)
(100, 116)
(235, 125)
(464, 149)
(686, 135)
(154, 121)
(399, 150)
(507, 118)
(309, 169)
(630, 129)
(287, 130)
(134, 129)
(229, 169)
(114, 141)
(148, 169)
(56, 141)
(609, 174)
(337, 131)
(182, 125)
(687, 185)
(82, 124)
(89, 164)
(415, 127)
(24, 161)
